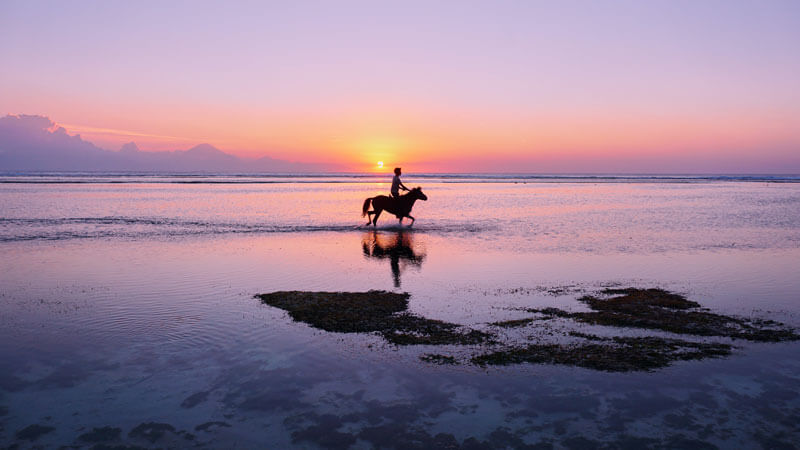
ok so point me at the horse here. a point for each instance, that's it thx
(400, 206)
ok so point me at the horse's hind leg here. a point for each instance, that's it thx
(375, 219)
(369, 217)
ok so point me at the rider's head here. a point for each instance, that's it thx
(397, 171)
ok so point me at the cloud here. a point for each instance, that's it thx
(25, 124)
(36, 143)
(120, 133)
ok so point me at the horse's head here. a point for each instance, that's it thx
(417, 193)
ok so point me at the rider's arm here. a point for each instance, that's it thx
(403, 187)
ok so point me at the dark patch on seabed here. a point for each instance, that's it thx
(103, 434)
(33, 432)
(656, 309)
(374, 311)
(194, 399)
(321, 430)
(210, 425)
(648, 309)
(108, 437)
(153, 432)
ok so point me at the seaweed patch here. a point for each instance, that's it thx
(151, 431)
(33, 432)
(438, 359)
(515, 322)
(618, 354)
(385, 313)
(373, 311)
(211, 425)
(656, 309)
(103, 434)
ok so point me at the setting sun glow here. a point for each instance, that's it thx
(380, 164)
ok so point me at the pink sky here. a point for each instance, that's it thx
(668, 86)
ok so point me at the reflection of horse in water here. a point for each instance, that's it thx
(400, 206)
(394, 247)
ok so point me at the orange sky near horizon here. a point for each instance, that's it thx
(434, 143)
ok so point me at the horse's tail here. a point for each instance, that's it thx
(366, 206)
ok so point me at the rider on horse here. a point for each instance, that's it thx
(397, 184)
(399, 205)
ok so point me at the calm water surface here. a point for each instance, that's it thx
(129, 300)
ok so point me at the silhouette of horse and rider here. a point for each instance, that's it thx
(398, 248)
(399, 205)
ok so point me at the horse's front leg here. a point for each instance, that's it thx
(412, 220)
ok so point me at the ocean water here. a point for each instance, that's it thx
(127, 299)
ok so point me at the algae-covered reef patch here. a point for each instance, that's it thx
(633, 297)
(151, 431)
(103, 434)
(408, 329)
(438, 359)
(373, 311)
(32, 432)
(656, 309)
(210, 425)
(618, 354)
(514, 323)
(386, 313)
(345, 312)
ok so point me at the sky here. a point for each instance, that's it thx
(439, 86)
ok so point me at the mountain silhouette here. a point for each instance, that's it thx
(35, 143)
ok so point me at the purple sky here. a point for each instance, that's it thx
(540, 86)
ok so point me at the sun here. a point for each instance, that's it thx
(380, 164)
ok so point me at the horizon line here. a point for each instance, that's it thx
(373, 174)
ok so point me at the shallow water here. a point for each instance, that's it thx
(128, 303)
